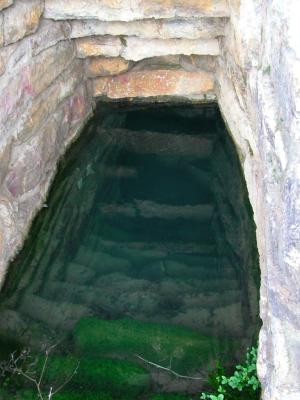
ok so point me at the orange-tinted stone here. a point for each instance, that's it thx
(154, 83)
(101, 66)
(109, 46)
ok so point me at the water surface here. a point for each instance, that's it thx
(143, 254)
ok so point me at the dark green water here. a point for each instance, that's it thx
(143, 254)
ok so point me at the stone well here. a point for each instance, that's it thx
(57, 57)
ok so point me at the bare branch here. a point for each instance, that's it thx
(168, 369)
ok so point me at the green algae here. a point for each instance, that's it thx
(108, 375)
(169, 396)
(158, 343)
(65, 395)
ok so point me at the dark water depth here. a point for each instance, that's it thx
(143, 257)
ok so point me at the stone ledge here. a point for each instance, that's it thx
(135, 49)
(201, 28)
(154, 83)
(129, 10)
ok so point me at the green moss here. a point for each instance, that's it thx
(157, 343)
(113, 376)
(169, 396)
(68, 395)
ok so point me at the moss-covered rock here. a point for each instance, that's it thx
(157, 343)
(63, 395)
(117, 377)
(170, 396)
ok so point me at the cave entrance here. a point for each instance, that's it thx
(144, 254)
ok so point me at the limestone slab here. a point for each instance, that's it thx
(138, 49)
(21, 19)
(105, 66)
(201, 28)
(129, 10)
(154, 83)
(135, 49)
(5, 4)
(108, 46)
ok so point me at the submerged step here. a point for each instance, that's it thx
(135, 229)
(78, 273)
(148, 142)
(54, 314)
(150, 209)
(154, 249)
(101, 262)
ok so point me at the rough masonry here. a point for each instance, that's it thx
(57, 56)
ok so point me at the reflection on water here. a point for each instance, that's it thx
(144, 254)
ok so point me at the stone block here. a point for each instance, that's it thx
(201, 28)
(103, 66)
(21, 19)
(138, 49)
(129, 10)
(154, 83)
(5, 4)
(108, 46)
(135, 49)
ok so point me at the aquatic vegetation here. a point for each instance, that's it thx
(159, 343)
(169, 396)
(109, 375)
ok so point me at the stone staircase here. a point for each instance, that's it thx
(152, 259)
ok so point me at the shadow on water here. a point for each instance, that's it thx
(144, 254)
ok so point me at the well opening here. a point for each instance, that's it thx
(144, 248)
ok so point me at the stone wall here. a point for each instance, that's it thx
(56, 55)
(258, 92)
(43, 103)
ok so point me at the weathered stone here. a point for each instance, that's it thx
(48, 35)
(196, 63)
(108, 46)
(103, 66)
(129, 10)
(49, 64)
(21, 19)
(1, 32)
(31, 80)
(135, 49)
(48, 101)
(5, 4)
(154, 83)
(188, 63)
(202, 28)
(26, 168)
(5, 151)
